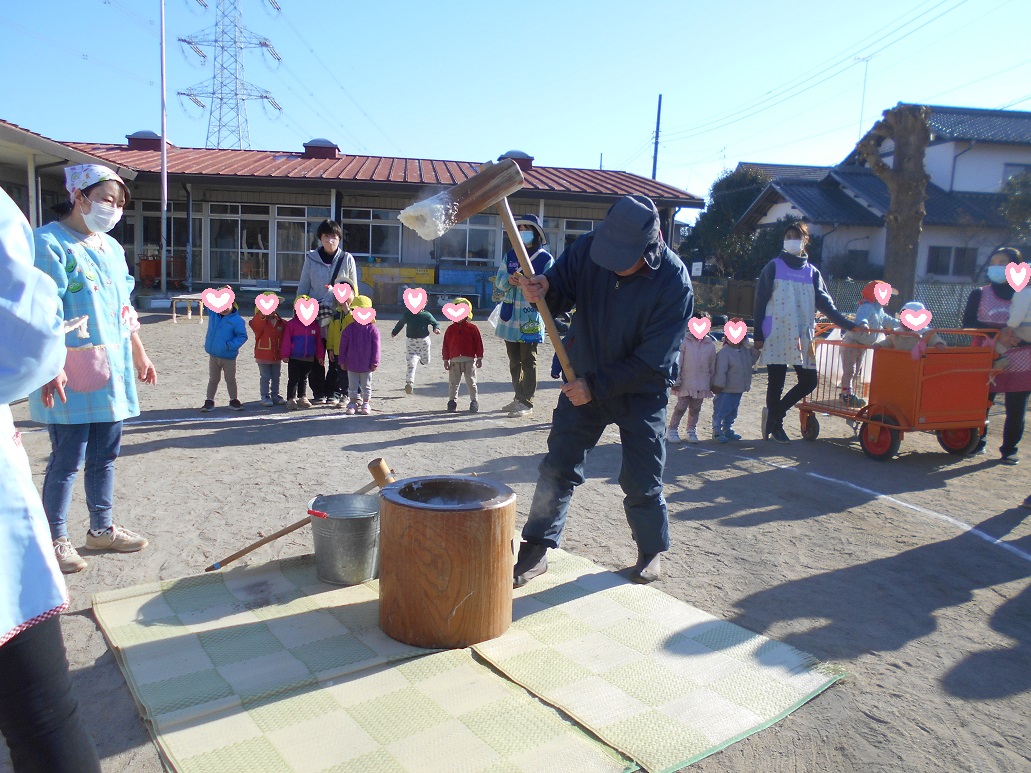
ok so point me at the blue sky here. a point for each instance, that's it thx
(568, 82)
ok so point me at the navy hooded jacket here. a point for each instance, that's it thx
(626, 332)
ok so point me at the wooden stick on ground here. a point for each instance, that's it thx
(512, 229)
(382, 475)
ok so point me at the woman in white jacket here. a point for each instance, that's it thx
(39, 715)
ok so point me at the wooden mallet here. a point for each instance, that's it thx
(491, 185)
(382, 476)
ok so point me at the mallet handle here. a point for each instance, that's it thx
(380, 471)
(524, 260)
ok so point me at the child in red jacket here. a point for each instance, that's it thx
(462, 346)
(268, 338)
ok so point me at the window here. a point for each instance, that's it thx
(952, 261)
(472, 241)
(575, 229)
(176, 235)
(1014, 170)
(372, 234)
(295, 237)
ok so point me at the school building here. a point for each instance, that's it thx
(247, 217)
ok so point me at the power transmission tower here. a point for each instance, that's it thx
(228, 91)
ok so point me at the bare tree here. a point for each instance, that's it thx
(906, 179)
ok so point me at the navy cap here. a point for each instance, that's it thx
(624, 236)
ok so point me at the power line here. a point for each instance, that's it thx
(330, 71)
(792, 91)
(64, 48)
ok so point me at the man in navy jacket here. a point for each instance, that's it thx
(633, 299)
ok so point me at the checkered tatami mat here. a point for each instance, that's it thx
(266, 668)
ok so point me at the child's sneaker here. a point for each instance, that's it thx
(267, 402)
(673, 435)
(692, 436)
(68, 559)
(340, 403)
(474, 407)
(279, 400)
(365, 410)
(731, 435)
(408, 387)
(291, 404)
(303, 402)
(318, 401)
(235, 405)
(452, 406)
(208, 407)
(722, 438)
(116, 538)
(352, 409)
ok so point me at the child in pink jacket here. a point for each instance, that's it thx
(697, 366)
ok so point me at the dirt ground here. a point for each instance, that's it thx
(867, 564)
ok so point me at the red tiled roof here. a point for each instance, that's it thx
(414, 171)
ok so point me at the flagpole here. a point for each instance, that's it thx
(164, 163)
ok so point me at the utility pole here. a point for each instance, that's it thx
(862, 101)
(655, 154)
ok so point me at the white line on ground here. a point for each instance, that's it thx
(962, 525)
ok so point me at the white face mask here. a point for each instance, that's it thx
(793, 246)
(102, 217)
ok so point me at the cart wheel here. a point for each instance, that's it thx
(959, 441)
(811, 428)
(880, 443)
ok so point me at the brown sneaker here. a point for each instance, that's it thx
(531, 562)
(68, 558)
(116, 538)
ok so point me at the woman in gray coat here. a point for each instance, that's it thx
(323, 267)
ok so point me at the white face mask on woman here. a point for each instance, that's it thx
(102, 217)
(793, 246)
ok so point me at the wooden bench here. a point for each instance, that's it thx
(447, 294)
(188, 298)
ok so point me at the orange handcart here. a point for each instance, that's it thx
(942, 390)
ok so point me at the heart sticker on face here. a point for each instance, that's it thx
(882, 292)
(735, 332)
(915, 320)
(363, 316)
(218, 300)
(306, 309)
(699, 327)
(415, 299)
(1018, 274)
(456, 312)
(267, 303)
(343, 292)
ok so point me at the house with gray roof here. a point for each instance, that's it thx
(970, 156)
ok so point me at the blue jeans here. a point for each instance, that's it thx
(724, 411)
(574, 432)
(268, 379)
(97, 445)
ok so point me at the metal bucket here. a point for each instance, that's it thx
(345, 528)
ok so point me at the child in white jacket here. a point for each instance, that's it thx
(697, 364)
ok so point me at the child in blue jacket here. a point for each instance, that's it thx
(226, 334)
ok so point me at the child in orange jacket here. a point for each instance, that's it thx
(268, 338)
(462, 346)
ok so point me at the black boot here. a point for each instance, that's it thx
(647, 569)
(531, 562)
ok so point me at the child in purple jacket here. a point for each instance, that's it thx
(359, 356)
